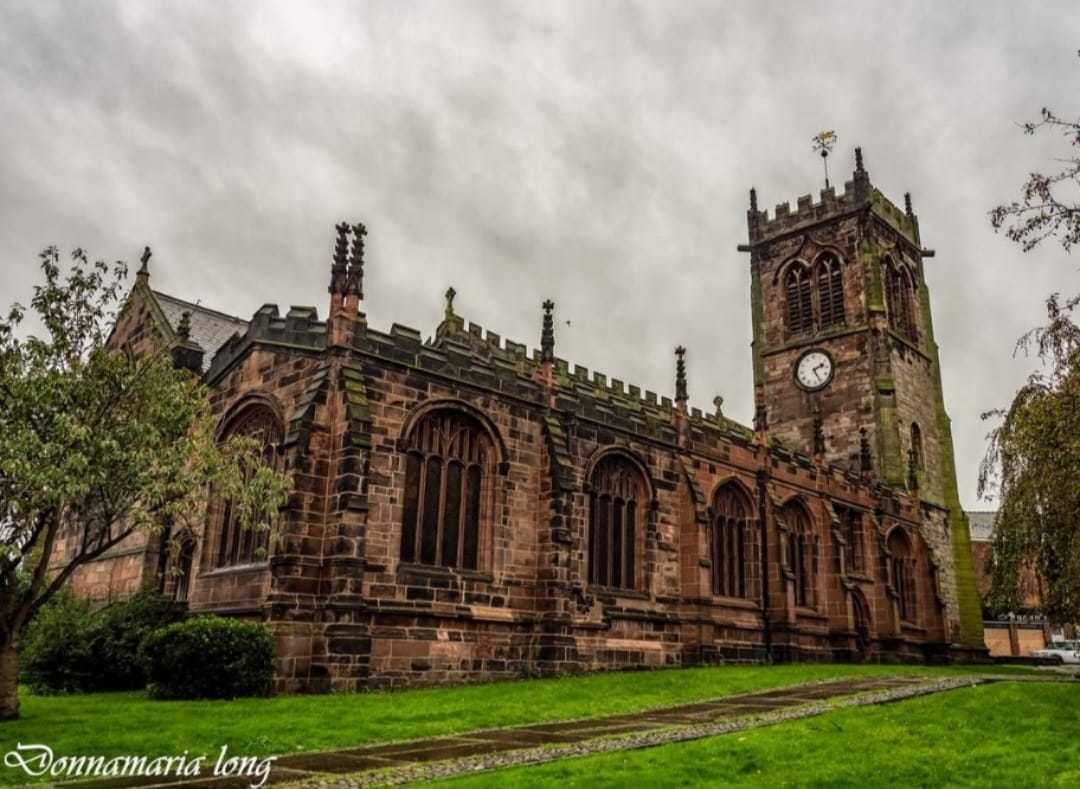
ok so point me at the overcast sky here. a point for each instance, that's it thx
(595, 153)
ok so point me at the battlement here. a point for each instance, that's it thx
(807, 212)
(858, 194)
(300, 327)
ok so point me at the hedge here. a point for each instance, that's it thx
(209, 657)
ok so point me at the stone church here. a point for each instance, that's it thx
(467, 509)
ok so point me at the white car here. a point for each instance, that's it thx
(1060, 652)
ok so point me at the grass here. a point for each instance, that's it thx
(114, 724)
(1007, 734)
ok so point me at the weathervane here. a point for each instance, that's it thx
(824, 141)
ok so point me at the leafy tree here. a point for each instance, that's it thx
(1033, 463)
(1049, 206)
(1033, 458)
(96, 445)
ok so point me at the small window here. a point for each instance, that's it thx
(917, 445)
(902, 565)
(730, 532)
(797, 289)
(801, 554)
(852, 524)
(446, 463)
(616, 507)
(184, 557)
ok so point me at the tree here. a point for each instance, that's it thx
(1046, 208)
(1033, 463)
(1033, 458)
(96, 445)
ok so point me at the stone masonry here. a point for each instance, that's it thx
(543, 564)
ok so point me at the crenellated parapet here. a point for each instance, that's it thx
(858, 195)
(299, 329)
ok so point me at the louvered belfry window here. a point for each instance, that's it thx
(616, 507)
(830, 289)
(797, 290)
(445, 463)
(237, 545)
(900, 292)
(731, 528)
(802, 555)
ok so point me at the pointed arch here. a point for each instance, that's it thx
(467, 409)
(900, 299)
(799, 311)
(732, 519)
(450, 458)
(258, 417)
(737, 482)
(631, 457)
(619, 498)
(829, 283)
(801, 554)
(182, 567)
(917, 446)
(903, 573)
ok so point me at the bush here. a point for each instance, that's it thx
(120, 630)
(56, 654)
(71, 648)
(209, 657)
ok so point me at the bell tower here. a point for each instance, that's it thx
(845, 363)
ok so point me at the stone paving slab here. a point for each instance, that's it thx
(402, 756)
(411, 774)
(486, 742)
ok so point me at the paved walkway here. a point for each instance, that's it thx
(407, 759)
(478, 743)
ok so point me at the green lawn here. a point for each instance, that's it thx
(1008, 734)
(113, 724)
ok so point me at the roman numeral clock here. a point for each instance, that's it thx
(814, 370)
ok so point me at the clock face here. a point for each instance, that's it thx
(814, 370)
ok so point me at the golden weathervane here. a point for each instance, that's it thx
(824, 141)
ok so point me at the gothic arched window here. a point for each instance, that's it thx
(830, 290)
(236, 544)
(184, 556)
(730, 530)
(616, 507)
(917, 445)
(801, 554)
(852, 523)
(902, 566)
(800, 310)
(447, 459)
(900, 293)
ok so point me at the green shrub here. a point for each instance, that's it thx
(209, 657)
(72, 648)
(120, 630)
(56, 654)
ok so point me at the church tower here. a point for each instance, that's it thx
(845, 362)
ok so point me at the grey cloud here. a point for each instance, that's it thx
(597, 153)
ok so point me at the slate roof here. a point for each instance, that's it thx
(209, 328)
(982, 525)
